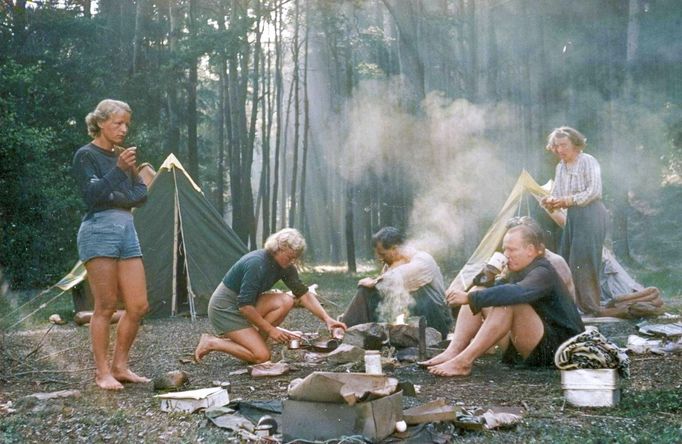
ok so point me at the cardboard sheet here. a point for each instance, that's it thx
(341, 387)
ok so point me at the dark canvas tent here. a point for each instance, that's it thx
(186, 244)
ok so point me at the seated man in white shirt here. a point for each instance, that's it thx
(410, 279)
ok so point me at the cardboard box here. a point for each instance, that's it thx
(591, 387)
(320, 421)
(193, 400)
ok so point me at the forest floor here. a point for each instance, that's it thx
(45, 359)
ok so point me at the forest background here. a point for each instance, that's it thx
(339, 117)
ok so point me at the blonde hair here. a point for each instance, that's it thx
(575, 136)
(286, 239)
(104, 110)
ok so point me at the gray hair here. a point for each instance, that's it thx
(575, 136)
(105, 109)
(286, 239)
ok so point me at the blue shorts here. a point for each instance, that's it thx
(109, 233)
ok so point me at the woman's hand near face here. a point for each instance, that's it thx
(127, 160)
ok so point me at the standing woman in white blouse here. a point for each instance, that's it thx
(578, 188)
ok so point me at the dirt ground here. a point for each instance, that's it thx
(58, 358)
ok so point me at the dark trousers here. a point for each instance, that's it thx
(363, 309)
(581, 245)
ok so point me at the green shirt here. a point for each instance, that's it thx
(256, 272)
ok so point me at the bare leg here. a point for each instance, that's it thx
(245, 344)
(104, 286)
(133, 287)
(273, 307)
(466, 327)
(521, 320)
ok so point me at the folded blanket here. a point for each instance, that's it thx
(590, 349)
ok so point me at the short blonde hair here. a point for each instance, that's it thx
(286, 239)
(105, 109)
(575, 136)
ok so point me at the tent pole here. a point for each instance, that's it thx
(178, 218)
(43, 305)
(176, 206)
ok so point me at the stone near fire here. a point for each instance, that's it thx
(411, 354)
(345, 353)
(406, 335)
(370, 336)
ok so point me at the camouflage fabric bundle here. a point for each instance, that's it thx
(591, 349)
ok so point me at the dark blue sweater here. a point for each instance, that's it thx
(103, 185)
(255, 273)
(540, 286)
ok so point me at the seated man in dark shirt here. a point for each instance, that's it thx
(531, 313)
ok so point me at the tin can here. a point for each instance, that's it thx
(373, 362)
(294, 344)
(263, 430)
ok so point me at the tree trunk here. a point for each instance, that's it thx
(262, 203)
(137, 37)
(473, 50)
(173, 124)
(267, 119)
(278, 105)
(621, 243)
(405, 17)
(235, 139)
(192, 147)
(297, 113)
(222, 104)
(285, 142)
(350, 238)
(86, 8)
(306, 123)
(250, 145)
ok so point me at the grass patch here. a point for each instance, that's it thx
(651, 402)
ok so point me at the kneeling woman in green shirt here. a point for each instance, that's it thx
(244, 313)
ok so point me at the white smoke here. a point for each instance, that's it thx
(444, 151)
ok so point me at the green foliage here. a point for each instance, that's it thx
(656, 240)
(651, 401)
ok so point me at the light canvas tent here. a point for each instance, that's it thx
(615, 280)
(187, 246)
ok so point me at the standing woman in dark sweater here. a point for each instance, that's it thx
(578, 188)
(107, 241)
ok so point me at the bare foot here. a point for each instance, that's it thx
(203, 348)
(108, 382)
(453, 367)
(440, 358)
(126, 375)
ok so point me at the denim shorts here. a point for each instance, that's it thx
(109, 233)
